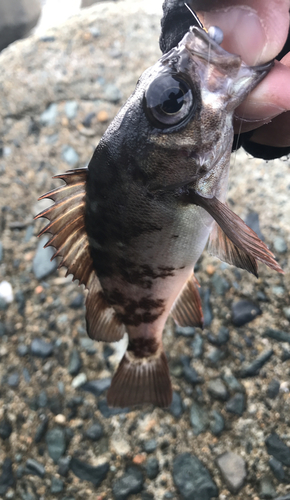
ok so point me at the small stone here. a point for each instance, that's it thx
(75, 362)
(252, 220)
(13, 379)
(102, 116)
(120, 446)
(112, 93)
(110, 412)
(199, 419)
(236, 404)
(185, 331)
(41, 430)
(40, 348)
(87, 472)
(56, 443)
(267, 489)
(217, 390)
(94, 432)
(63, 465)
(221, 338)
(5, 429)
(277, 335)
(192, 479)
(6, 292)
(232, 383)
(69, 155)
(48, 117)
(88, 344)
(215, 356)
(280, 244)
(97, 387)
(176, 408)
(60, 419)
(233, 470)
(22, 350)
(147, 496)
(87, 121)
(79, 380)
(273, 389)
(220, 284)
(244, 311)
(206, 307)
(276, 447)
(34, 467)
(191, 375)
(254, 368)
(286, 311)
(150, 445)
(152, 467)
(57, 485)
(277, 469)
(197, 346)
(71, 109)
(131, 482)
(77, 302)
(42, 264)
(7, 477)
(217, 423)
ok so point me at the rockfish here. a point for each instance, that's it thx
(132, 225)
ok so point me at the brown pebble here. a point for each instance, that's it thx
(210, 269)
(139, 459)
(102, 116)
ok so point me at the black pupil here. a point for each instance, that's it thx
(172, 100)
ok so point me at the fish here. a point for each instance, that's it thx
(131, 226)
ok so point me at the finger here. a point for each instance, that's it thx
(276, 133)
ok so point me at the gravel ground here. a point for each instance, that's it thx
(226, 434)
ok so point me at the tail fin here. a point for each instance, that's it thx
(141, 380)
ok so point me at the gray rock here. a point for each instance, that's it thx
(56, 443)
(192, 479)
(267, 489)
(6, 478)
(215, 356)
(94, 432)
(49, 116)
(217, 423)
(97, 387)
(5, 429)
(233, 470)
(87, 472)
(42, 266)
(63, 465)
(40, 348)
(112, 93)
(244, 311)
(237, 404)
(252, 220)
(217, 389)
(254, 368)
(276, 447)
(71, 109)
(57, 485)
(280, 244)
(197, 346)
(69, 155)
(75, 362)
(13, 379)
(185, 331)
(131, 482)
(277, 469)
(199, 419)
(286, 311)
(88, 344)
(220, 284)
(176, 408)
(150, 445)
(17, 18)
(273, 388)
(277, 335)
(152, 467)
(41, 430)
(232, 383)
(221, 338)
(34, 467)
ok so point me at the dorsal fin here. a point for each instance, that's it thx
(67, 227)
(187, 309)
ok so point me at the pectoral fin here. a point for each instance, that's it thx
(242, 238)
(187, 309)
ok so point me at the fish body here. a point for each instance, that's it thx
(132, 226)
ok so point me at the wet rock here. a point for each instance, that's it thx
(97, 387)
(94, 432)
(273, 389)
(199, 419)
(277, 335)
(244, 311)
(75, 362)
(191, 376)
(192, 479)
(277, 469)
(87, 472)
(71, 109)
(131, 482)
(252, 220)
(267, 489)
(42, 266)
(152, 467)
(34, 467)
(221, 338)
(216, 422)
(217, 390)
(56, 443)
(49, 116)
(197, 346)
(109, 412)
(237, 404)
(176, 408)
(150, 445)
(280, 244)
(5, 429)
(233, 470)
(276, 447)
(57, 485)
(41, 430)
(185, 331)
(254, 368)
(40, 348)
(7, 477)
(69, 155)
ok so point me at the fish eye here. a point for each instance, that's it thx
(168, 101)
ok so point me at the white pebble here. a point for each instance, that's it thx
(79, 380)
(6, 292)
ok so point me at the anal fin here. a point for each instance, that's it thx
(187, 309)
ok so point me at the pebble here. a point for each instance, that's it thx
(34, 467)
(71, 109)
(42, 264)
(22, 350)
(150, 445)
(216, 422)
(176, 408)
(280, 244)
(277, 469)
(232, 383)
(267, 489)
(112, 93)
(197, 346)
(1, 252)
(254, 368)
(191, 376)
(220, 284)
(206, 307)
(237, 404)
(221, 338)
(13, 379)
(233, 470)
(77, 302)
(252, 220)
(87, 472)
(244, 311)
(152, 467)
(97, 387)
(5, 429)
(40, 348)
(88, 345)
(217, 390)
(56, 443)
(192, 479)
(7, 477)
(94, 432)
(199, 419)
(75, 362)
(87, 121)
(6, 292)
(276, 447)
(79, 380)
(131, 482)
(215, 356)
(48, 117)
(41, 430)
(69, 155)
(60, 419)
(277, 335)
(57, 485)
(63, 465)
(286, 311)
(273, 388)
(185, 331)
(110, 412)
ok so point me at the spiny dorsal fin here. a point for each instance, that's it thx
(242, 236)
(222, 247)
(67, 227)
(187, 309)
